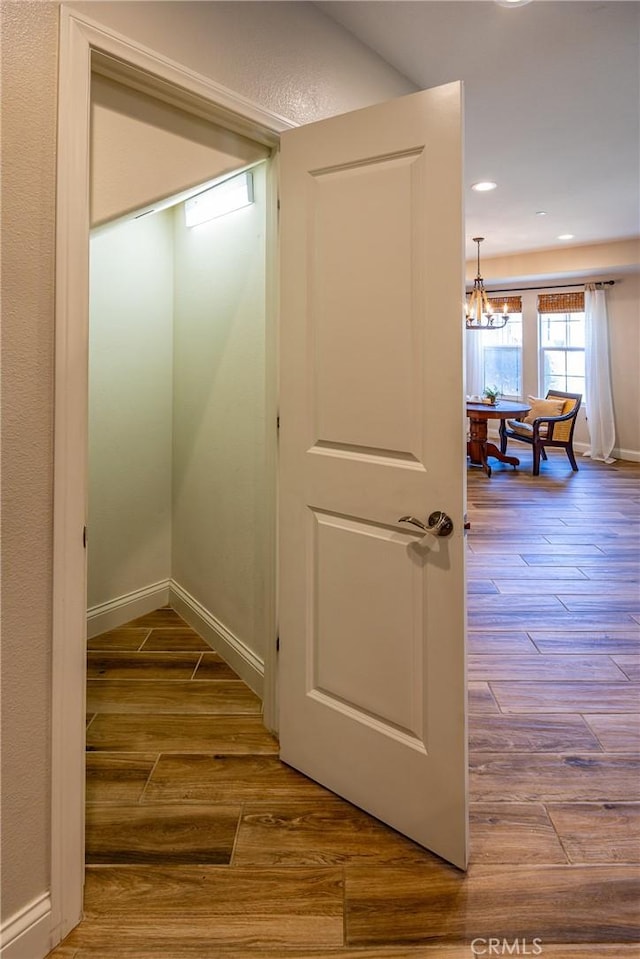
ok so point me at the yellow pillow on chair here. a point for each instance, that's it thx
(542, 407)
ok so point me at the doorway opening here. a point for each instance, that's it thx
(395, 171)
(181, 464)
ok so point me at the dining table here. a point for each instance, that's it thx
(479, 449)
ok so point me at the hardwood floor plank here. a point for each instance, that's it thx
(118, 777)
(323, 832)
(630, 552)
(514, 513)
(159, 618)
(604, 520)
(161, 834)
(617, 574)
(619, 571)
(481, 700)
(567, 697)
(538, 777)
(505, 644)
(477, 587)
(550, 669)
(535, 733)
(520, 833)
(504, 540)
(581, 558)
(162, 891)
(574, 587)
(175, 639)
(514, 618)
(503, 524)
(141, 665)
(171, 696)
(579, 642)
(193, 778)
(630, 666)
(482, 564)
(212, 666)
(505, 572)
(403, 903)
(202, 950)
(623, 535)
(618, 732)
(205, 937)
(124, 638)
(527, 602)
(417, 903)
(598, 832)
(629, 603)
(542, 550)
(236, 735)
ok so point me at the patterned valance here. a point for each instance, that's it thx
(561, 302)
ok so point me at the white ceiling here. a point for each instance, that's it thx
(552, 94)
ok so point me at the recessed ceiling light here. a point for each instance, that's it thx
(567, 236)
(513, 3)
(541, 213)
(484, 186)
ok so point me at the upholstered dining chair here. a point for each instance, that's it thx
(550, 422)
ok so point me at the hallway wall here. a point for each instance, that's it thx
(220, 488)
(130, 406)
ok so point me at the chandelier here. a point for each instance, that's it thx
(479, 312)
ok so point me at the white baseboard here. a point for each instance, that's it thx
(633, 456)
(243, 660)
(26, 935)
(120, 610)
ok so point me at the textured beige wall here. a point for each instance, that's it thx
(130, 406)
(219, 482)
(28, 37)
(289, 58)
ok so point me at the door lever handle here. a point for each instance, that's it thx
(439, 523)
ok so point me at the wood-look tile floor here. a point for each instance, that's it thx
(200, 843)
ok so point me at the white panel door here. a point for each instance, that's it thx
(372, 428)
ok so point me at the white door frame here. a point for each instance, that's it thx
(87, 45)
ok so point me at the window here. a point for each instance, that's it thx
(562, 351)
(502, 356)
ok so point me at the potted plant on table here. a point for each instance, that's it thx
(491, 394)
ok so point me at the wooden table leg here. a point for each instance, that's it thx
(477, 445)
(479, 449)
(492, 450)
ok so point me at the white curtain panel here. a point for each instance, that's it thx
(598, 399)
(473, 346)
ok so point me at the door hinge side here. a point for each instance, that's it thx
(278, 421)
(277, 644)
(85, 536)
